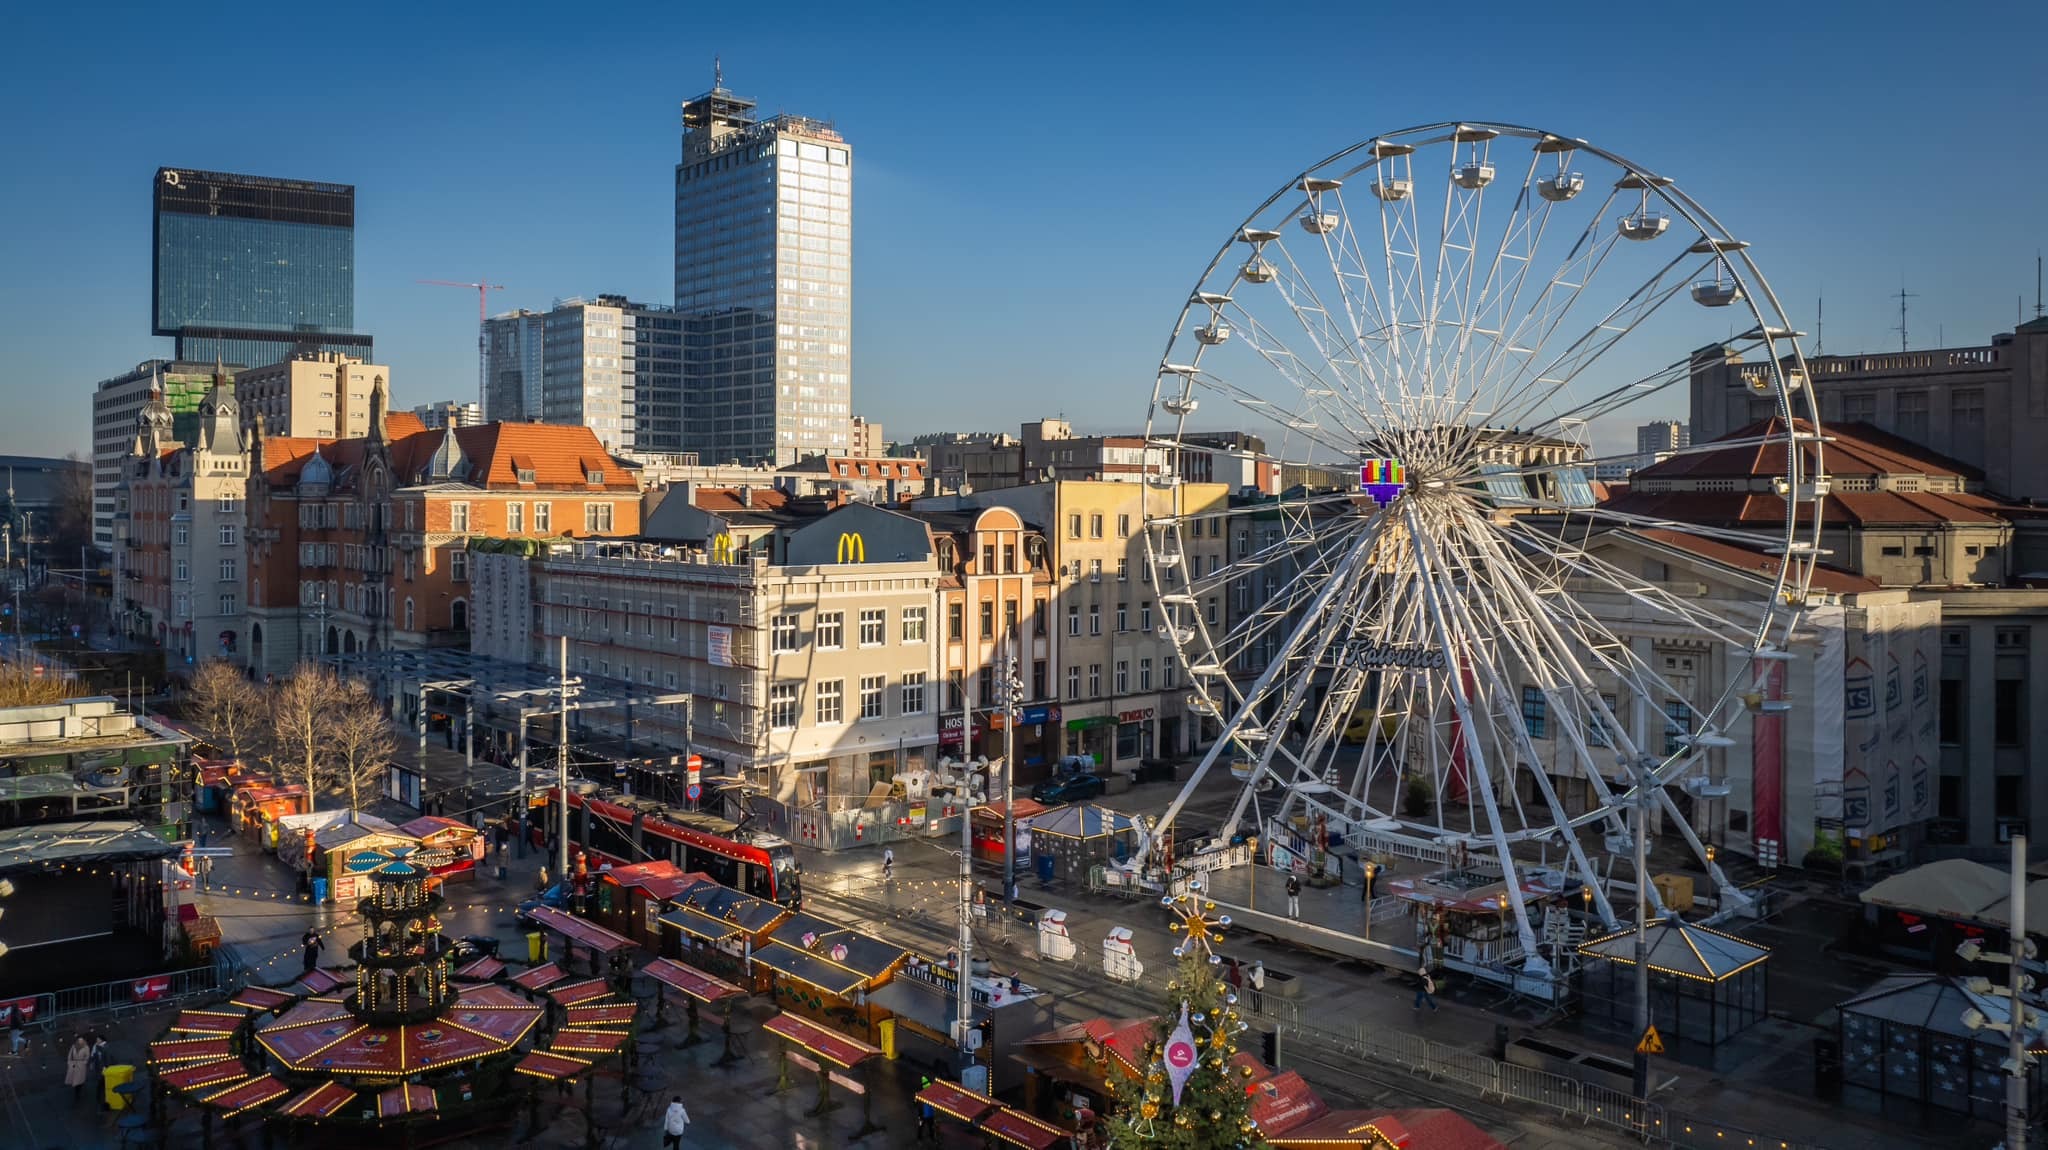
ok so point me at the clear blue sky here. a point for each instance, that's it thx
(1036, 187)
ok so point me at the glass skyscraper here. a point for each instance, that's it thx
(251, 270)
(512, 365)
(764, 283)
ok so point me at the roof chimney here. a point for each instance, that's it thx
(746, 497)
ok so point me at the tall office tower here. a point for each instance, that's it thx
(512, 366)
(764, 282)
(658, 409)
(587, 368)
(249, 269)
(1654, 440)
(115, 404)
(313, 395)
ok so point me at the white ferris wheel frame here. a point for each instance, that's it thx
(1407, 363)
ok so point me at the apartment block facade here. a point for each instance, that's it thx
(318, 395)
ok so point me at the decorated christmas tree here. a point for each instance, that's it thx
(1187, 1095)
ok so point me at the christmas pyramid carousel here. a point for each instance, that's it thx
(407, 1043)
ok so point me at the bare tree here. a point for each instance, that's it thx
(359, 741)
(228, 705)
(300, 724)
(20, 686)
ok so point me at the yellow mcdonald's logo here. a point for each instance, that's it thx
(852, 548)
(721, 548)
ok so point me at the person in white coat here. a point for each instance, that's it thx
(674, 1123)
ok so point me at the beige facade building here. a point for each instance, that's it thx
(867, 438)
(321, 396)
(815, 678)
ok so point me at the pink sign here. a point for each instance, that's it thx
(1180, 1054)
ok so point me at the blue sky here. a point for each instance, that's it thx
(1035, 189)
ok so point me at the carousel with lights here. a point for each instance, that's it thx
(413, 1041)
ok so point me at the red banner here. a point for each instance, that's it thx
(1766, 761)
(151, 989)
(25, 1007)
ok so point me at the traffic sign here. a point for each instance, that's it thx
(695, 791)
(1652, 1043)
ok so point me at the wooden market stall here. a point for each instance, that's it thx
(257, 802)
(1464, 922)
(463, 843)
(631, 899)
(987, 827)
(321, 842)
(716, 928)
(1070, 841)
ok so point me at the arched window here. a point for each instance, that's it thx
(458, 615)
(408, 613)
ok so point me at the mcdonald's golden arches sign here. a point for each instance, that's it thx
(852, 548)
(721, 548)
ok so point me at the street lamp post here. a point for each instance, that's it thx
(1013, 689)
(1372, 870)
(1640, 835)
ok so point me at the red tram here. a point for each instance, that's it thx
(626, 829)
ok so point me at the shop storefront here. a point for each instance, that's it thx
(1134, 735)
(1036, 740)
(1092, 735)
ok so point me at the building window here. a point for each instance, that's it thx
(872, 621)
(1893, 552)
(1209, 610)
(1095, 570)
(1123, 570)
(181, 534)
(1123, 527)
(227, 502)
(1144, 675)
(1677, 722)
(597, 518)
(782, 706)
(1010, 618)
(1095, 527)
(515, 518)
(1038, 678)
(227, 535)
(1009, 558)
(183, 571)
(542, 513)
(1123, 676)
(871, 696)
(988, 559)
(227, 604)
(913, 624)
(1123, 617)
(1094, 680)
(913, 693)
(1596, 725)
(1535, 713)
(1912, 416)
(1073, 619)
(1038, 623)
(1859, 407)
(458, 565)
(1073, 526)
(956, 620)
(1145, 616)
(1951, 712)
(988, 618)
(1094, 619)
(1169, 674)
(831, 630)
(987, 690)
(2007, 703)
(408, 614)
(228, 571)
(458, 517)
(831, 702)
(782, 634)
(1074, 682)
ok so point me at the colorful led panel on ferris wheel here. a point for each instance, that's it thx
(1383, 479)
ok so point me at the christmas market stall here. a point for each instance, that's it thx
(462, 843)
(825, 1052)
(1705, 986)
(1070, 841)
(1922, 915)
(632, 899)
(1463, 922)
(921, 1005)
(987, 829)
(322, 842)
(257, 802)
(1905, 1038)
(716, 928)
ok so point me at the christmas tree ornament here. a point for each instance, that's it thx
(1180, 1054)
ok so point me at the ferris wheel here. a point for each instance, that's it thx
(1422, 636)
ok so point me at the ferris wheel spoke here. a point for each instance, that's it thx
(1339, 346)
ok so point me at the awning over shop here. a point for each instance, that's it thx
(1021, 1129)
(552, 1067)
(321, 1101)
(800, 964)
(701, 926)
(1091, 722)
(578, 993)
(248, 1095)
(33, 847)
(1026, 809)
(1949, 888)
(408, 1099)
(924, 1005)
(830, 1045)
(580, 931)
(691, 981)
(956, 1101)
(587, 1043)
(1083, 821)
(750, 914)
(536, 977)
(1685, 949)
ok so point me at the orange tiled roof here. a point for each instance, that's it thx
(560, 453)
(398, 424)
(1852, 449)
(1742, 558)
(1843, 508)
(716, 499)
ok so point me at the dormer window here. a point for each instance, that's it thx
(522, 469)
(593, 472)
(594, 476)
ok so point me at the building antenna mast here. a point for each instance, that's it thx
(1904, 295)
(1820, 324)
(2037, 284)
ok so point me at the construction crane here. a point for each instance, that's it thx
(483, 312)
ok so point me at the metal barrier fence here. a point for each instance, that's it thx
(1652, 1122)
(124, 994)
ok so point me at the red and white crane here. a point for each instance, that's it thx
(483, 297)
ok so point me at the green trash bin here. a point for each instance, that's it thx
(536, 947)
(114, 1076)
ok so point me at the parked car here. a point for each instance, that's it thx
(1068, 789)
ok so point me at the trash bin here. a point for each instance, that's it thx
(114, 1076)
(536, 946)
(319, 889)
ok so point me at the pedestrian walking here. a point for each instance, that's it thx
(1258, 981)
(18, 1034)
(541, 884)
(311, 942)
(1235, 977)
(1425, 988)
(96, 1068)
(1293, 895)
(674, 1123)
(888, 864)
(927, 1116)
(77, 1062)
(205, 872)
